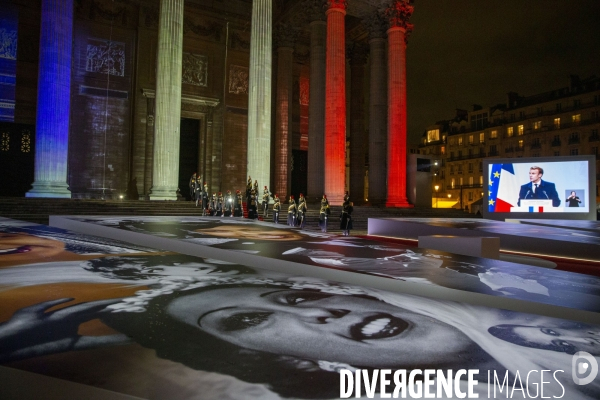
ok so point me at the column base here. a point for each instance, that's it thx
(163, 194)
(58, 190)
(399, 204)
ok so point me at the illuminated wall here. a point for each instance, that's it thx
(8, 62)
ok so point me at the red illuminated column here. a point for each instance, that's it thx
(398, 13)
(335, 103)
(283, 119)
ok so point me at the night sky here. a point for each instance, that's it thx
(465, 52)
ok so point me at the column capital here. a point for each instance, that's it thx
(314, 9)
(398, 13)
(336, 5)
(376, 24)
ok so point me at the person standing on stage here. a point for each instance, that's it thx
(291, 219)
(238, 209)
(265, 202)
(276, 208)
(256, 192)
(346, 216)
(302, 209)
(324, 212)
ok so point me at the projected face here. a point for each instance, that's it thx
(320, 326)
(250, 232)
(534, 175)
(565, 340)
(21, 248)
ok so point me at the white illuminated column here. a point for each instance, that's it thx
(259, 97)
(165, 170)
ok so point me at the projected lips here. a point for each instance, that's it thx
(378, 326)
(15, 250)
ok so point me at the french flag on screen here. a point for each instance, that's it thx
(503, 188)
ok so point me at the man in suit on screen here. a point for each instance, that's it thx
(538, 189)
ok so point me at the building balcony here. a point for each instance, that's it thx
(574, 140)
(555, 143)
(536, 146)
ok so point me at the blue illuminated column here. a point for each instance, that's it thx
(165, 170)
(53, 101)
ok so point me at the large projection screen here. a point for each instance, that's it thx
(540, 188)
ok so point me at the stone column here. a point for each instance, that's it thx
(165, 169)
(259, 97)
(377, 110)
(335, 103)
(398, 14)
(358, 142)
(53, 100)
(316, 105)
(283, 118)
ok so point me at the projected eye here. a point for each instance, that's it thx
(241, 321)
(549, 331)
(301, 297)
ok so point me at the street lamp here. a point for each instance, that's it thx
(436, 195)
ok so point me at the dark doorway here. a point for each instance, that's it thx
(17, 153)
(299, 172)
(189, 143)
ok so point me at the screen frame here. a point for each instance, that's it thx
(501, 216)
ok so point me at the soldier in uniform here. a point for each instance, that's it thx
(346, 216)
(291, 219)
(252, 205)
(212, 205)
(324, 212)
(204, 199)
(276, 208)
(302, 209)
(265, 202)
(228, 204)
(220, 205)
(192, 186)
(238, 209)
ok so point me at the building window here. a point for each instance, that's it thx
(471, 180)
(493, 134)
(470, 139)
(535, 155)
(594, 135)
(509, 131)
(493, 150)
(576, 119)
(481, 179)
(576, 103)
(479, 121)
(574, 137)
(574, 152)
(558, 107)
(470, 196)
(443, 150)
(480, 166)
(521, 130)
(557, 154)
(452, 183)
(481, 137)
(540, 110)
(537, 125)
(556, 123)
(597, 99)
(460, 171)
(460, 141)
(520, 144)
(470, 167)
(470, 153)
(594, 115)
(512, 117)
(433, 135)
(461, 181)
(522, 114)
(595, 151)
(452, 141)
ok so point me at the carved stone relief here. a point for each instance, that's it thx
(8, 44)
(195, 69)
(105, 57)
(238, 79)
(211, 29)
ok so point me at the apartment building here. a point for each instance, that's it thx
(561, 122)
